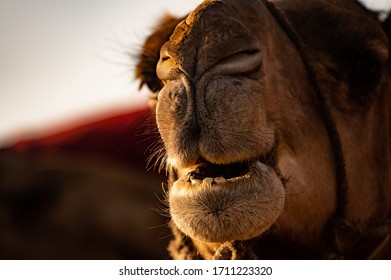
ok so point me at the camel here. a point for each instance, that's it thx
(275, 129)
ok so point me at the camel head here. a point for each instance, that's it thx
(246, 147)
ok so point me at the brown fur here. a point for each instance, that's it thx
(235, 89)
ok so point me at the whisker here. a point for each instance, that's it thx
(113, 61)
(162, 210)
(159, 226)
(163, 162)
(166, 236)
(159, 154)
(162, 203)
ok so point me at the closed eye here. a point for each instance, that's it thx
(238, 63)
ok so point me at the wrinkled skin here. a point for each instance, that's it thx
(246, 148)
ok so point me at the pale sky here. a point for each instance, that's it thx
(64, 60)
(377, 5)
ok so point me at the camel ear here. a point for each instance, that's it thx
(148, 58)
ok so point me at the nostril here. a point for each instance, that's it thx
(165, 58)
(166, 69)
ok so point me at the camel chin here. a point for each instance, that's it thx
(219, 209)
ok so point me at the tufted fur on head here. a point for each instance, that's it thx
(145, 70)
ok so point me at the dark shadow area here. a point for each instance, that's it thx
(83, 193)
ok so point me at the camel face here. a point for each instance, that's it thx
(247, 147)
(212, 118)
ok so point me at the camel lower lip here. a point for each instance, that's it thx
(216, 209)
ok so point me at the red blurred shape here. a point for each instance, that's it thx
(122, 136)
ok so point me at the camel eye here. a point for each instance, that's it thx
(240, 63)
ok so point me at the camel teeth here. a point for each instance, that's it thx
(246, 176)
(195, 181)
(220, 180)
(208, 181)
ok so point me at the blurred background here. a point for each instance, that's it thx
(73, 183)
(73, 157)
(61, 60)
